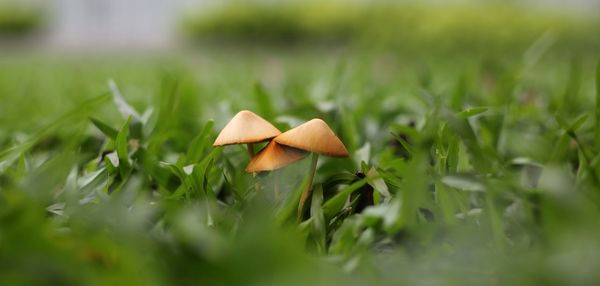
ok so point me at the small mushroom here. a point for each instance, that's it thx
(314, 136)
(246, 128)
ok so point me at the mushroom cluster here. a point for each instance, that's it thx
(314, 136)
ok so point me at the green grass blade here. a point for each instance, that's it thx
(107, 130)
(469, 112)
(318, 227)
(336, 203)
(200, 142)
(263, 102)
(121, 146)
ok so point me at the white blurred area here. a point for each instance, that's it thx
(139, 24)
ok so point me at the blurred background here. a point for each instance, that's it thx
(132, 25)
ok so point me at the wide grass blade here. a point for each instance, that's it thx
(264, 102)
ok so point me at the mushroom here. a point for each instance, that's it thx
(314, 136)
(246, 128)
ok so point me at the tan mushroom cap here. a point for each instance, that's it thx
(274, 156)
(314, 136)
(246, 127)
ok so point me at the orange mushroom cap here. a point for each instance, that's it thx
(314, 136)
(246, 127)
(274, 156)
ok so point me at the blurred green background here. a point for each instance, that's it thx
(474, 125)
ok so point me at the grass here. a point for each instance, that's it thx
(18, 18)
(482, 170)
(406, 26)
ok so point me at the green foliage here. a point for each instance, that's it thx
(493, 28)
(19, 18)
(462, 171)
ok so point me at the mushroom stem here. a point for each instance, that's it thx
(307, 190)
(250, 149)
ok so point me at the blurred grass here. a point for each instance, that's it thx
(480, 168)
(491, 27)
(19, 18)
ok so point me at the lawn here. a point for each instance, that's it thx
(464, 168)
